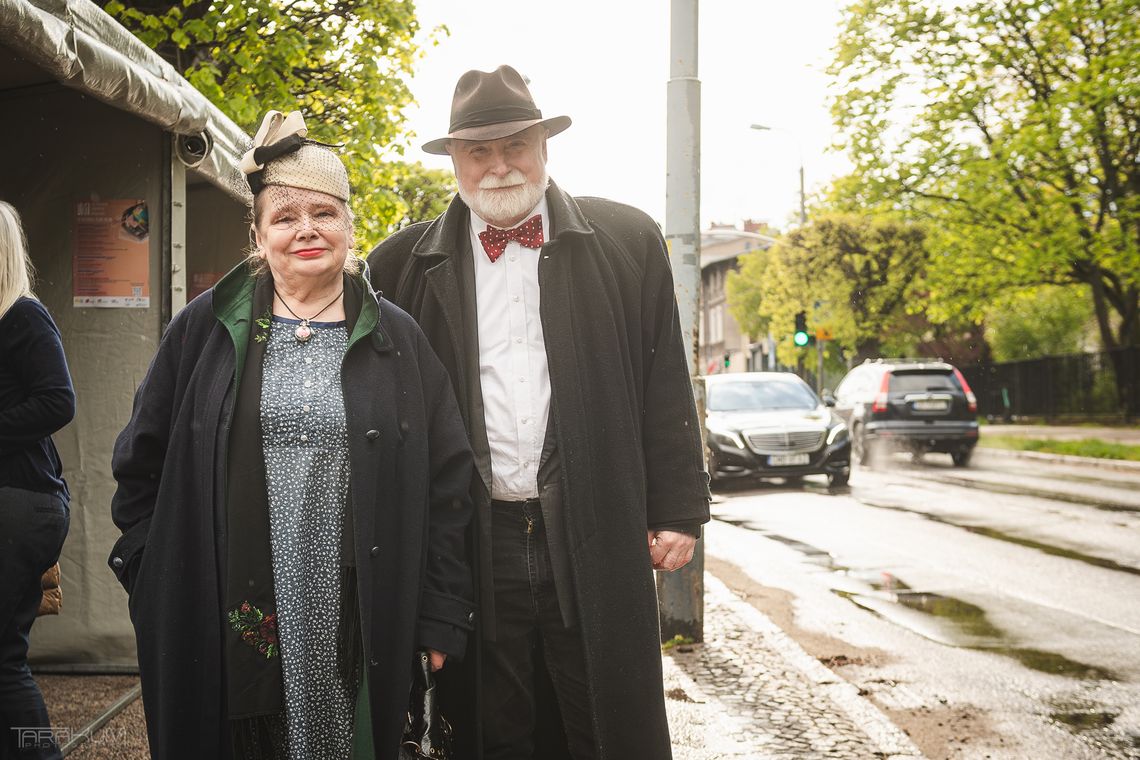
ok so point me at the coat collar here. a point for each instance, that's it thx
(233, 306)
(442, 236)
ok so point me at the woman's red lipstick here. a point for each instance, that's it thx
(309, 253)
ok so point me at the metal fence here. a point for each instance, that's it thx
(1076, 385)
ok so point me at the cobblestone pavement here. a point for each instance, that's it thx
(751, 692)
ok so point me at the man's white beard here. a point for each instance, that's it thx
(502, 207)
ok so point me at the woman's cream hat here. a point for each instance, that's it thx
(281, 155)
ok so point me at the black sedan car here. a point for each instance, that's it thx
(772, 425)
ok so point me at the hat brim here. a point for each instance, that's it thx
(553, 125)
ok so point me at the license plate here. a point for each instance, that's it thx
(931, 406)
(783, 460)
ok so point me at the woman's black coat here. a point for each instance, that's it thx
(410, 472)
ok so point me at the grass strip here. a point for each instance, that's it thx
(1084, 447)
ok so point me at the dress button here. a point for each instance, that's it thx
(374, 551)
(307, 408)
(308, 383)
(308, 360)
(304, 437)
(372, 435)
(117, 563)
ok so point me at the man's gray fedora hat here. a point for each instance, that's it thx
(490, 105)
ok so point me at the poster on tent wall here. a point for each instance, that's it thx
(111, 265)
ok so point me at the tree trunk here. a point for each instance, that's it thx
(1117, 345)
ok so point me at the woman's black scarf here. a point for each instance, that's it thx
(251, 648)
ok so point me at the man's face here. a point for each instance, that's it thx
(501, 180)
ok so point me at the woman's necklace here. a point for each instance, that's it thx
(303, 331)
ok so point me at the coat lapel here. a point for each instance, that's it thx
(450, 283)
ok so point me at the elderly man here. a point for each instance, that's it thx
(556, 319)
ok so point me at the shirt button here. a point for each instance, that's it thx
(515, 299)
(514, 258)
(522, 379)
(525, 420)
(518, 340)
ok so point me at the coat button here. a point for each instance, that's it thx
(373, 662)
(471, 618)
(117, 563)
(405, 427)
(372, 435)
(374, 551)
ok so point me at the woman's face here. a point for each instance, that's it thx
(302, 233)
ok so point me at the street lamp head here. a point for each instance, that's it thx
(762, 127)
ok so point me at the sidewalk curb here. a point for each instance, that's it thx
(892, 741)
(1108, 464)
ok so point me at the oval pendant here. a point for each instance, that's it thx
(303, 333)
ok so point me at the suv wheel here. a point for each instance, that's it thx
(838, 479)
(860, 447)
(962, 458)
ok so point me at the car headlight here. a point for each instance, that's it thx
(726, 437)
(837, 433)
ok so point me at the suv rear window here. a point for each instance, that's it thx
(926, 380)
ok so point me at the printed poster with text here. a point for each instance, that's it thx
(111, 267)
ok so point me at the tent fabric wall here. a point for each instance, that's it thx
(73, 148)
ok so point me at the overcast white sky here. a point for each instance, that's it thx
(605, 63)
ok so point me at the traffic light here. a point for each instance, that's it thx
(801, 337)
(727, 359)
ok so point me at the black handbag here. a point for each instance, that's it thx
(427, 734)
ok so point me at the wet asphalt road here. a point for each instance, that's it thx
(992, 612)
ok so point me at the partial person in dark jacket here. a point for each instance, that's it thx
(36, 400)
(556, 319)
(292, 491)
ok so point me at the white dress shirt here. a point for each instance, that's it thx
(513, 373)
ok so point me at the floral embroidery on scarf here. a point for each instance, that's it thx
(256, 629)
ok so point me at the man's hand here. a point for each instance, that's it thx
(437, 659)
(670, 550)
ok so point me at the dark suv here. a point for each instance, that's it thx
(910, 404)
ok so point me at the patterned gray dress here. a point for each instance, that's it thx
(305, 445)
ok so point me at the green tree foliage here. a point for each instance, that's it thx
(854, 276)
(342, 62)
(424, 192)
(1014, 125)
(1045, 321)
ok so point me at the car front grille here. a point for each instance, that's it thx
(785, 441)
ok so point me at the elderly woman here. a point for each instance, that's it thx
(36, 399)
(292, 491)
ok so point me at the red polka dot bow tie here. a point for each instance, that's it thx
(528, 234)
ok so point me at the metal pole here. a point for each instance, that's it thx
(803, 198)
(681, 593)
(819, 366)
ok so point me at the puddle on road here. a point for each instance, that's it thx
(945, 619)
(998, 535)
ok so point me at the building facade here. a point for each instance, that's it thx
(723, 346)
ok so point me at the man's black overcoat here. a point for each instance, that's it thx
(626, 426)
(410, 473)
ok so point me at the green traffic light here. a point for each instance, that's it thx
(800, 338)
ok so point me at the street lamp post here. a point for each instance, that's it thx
(800, 153)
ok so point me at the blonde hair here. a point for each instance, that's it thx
(16, 271)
